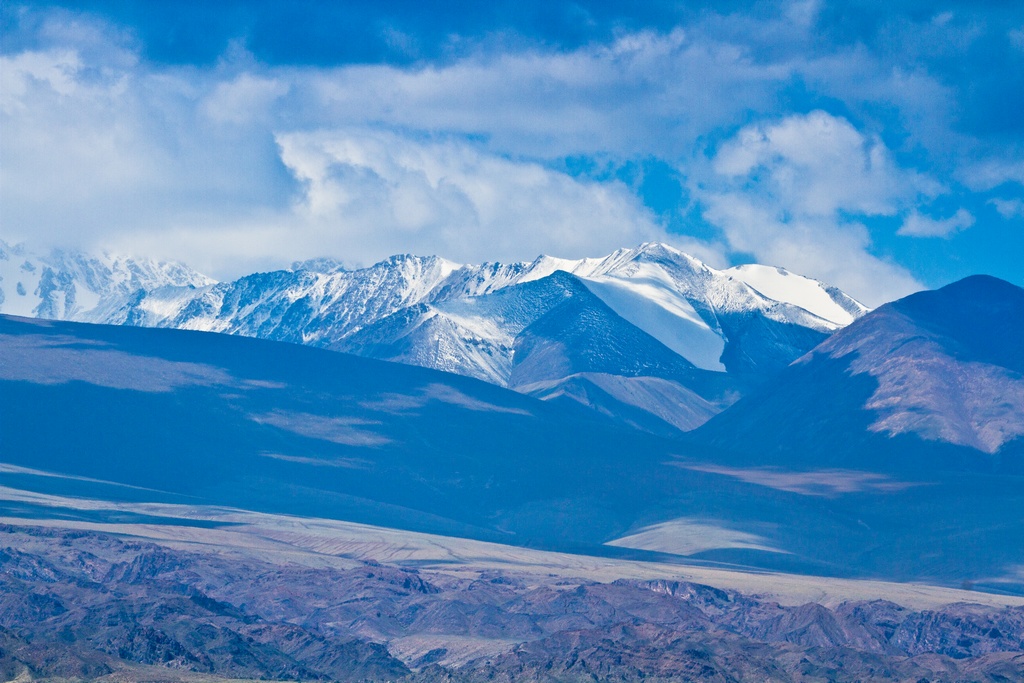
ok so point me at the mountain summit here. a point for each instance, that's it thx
(650, 331)
(64, 284)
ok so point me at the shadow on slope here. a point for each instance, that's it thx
(171, 416)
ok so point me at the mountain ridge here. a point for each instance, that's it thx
(193, 301)
(484, 321)
(944, 366)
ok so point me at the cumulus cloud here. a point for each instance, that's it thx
(242, 165)
(917, 224)
(818, 164)
(789, 192)
(94, 153)
(204, 169)
(210, 170)
(378, 192)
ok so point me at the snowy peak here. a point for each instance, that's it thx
(317, 302)
(65, 284)
(433, 312)
(323, 264)
(621, 262)
(650, 312)
(828, 303)
(696, 310)
(783, 296)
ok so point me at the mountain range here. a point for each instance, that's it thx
(838, 465)
(223, 504)
(65, 284)
(678, 402)
(930, 381)
(649, 336)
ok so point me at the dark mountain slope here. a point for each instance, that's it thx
(931, 382)
(182, 416)
(132, 414)
(582, 334)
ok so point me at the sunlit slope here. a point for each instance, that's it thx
(932, 382)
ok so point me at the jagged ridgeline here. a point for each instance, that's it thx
(648, 336)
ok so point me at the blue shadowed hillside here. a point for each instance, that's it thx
(132, 414)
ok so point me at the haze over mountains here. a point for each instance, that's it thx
(636, 334)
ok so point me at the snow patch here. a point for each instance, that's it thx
(664, 314)
(781, 285)
(688, 537)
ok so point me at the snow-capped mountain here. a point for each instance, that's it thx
(70, 285)
(829, 303)
(694, 310)
(595, 329)
(588, 330)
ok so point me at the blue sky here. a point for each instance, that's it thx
(878, 146)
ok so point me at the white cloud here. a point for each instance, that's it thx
(1016, 37)
(993, 172)
(218, 167)
(789, 192)
(818, 164)
(56, 68)
(917, 224)
(240, 165)
(1008, 208)
(368, 193)
(100, 151)
(244, 99)
(66, 134)
(616, 98)
(379, 192)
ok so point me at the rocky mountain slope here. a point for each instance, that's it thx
(933, 380)
(70, 285)
(713, 319)
(80, 605)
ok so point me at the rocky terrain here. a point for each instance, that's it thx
(65, 284)
(83, 605)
